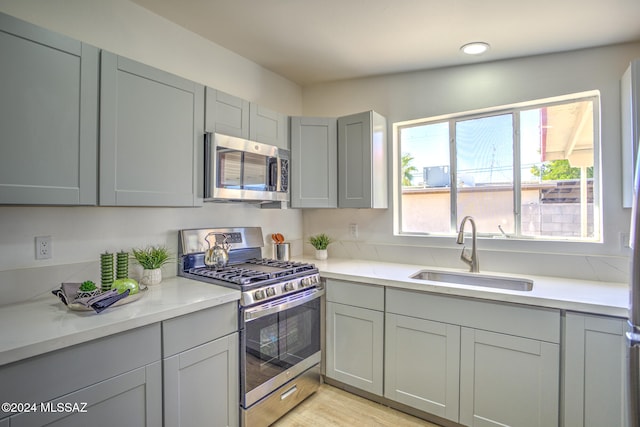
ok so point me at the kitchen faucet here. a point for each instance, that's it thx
(473, 259)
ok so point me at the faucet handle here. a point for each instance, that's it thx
(464, 256)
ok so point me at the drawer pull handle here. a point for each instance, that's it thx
(289, 392)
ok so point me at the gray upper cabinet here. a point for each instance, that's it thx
(630, 121)
(230, 115)
(268, 127)
(48, 117)
(226, 114)
(343, 167)
(151, 127)
(362, 161)
(314, 162)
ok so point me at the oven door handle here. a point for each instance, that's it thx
(281, 304)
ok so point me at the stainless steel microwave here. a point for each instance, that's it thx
(239, 169)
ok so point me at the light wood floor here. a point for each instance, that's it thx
(330, 406)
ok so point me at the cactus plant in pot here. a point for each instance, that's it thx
(151, 259)
(320, 243)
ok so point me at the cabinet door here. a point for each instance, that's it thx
(314, 162)
(268, 127)
(131, 399)
(354, 346)
(594, 372)
(227, 114)
(48, 117)
(630, 118)
(508, 381)
(422, 364)
(151, 136)
(362, 161)
(201, 385)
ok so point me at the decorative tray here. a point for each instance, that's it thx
(68, 294)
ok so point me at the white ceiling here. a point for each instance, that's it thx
(310, 41)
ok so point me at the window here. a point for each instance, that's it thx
(525, 171)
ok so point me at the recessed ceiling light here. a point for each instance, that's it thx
(475, 48)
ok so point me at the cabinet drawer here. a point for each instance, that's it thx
(188, 331)
(67, 370)
(513, 319)
(356, 294)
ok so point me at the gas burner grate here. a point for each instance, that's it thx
(239, 276)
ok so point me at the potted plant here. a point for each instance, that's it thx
(88, 289)
(320, 243)
(152, 258)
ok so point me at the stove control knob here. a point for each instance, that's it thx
(259, 294)
(271, 292)
(306, 281)
(289, 286)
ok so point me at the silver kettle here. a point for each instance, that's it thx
(218, 256)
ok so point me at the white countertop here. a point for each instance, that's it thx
(604, 298)
(45, 324)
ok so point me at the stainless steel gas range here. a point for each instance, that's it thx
(279, 316)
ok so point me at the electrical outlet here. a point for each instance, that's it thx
(624, 240)
(353, 230)
(43, 247)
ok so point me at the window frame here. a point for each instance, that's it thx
(515, 110)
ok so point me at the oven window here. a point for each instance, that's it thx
(278, 341)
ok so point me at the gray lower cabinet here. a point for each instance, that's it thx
(594, 371)
(355, 335)
(131, 399)
(422, 359)
(116, 380)
(48, 117)
(507, 380)
(314, 162)
(200, 368)
(506, 356)
(201, 385)
(151, 136)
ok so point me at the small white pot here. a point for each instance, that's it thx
(151, 277)
(321, 254)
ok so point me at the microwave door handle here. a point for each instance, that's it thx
(208, 165)
(272, 173)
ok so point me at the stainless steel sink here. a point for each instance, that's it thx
(475, 279)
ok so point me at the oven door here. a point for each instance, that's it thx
(279, 340)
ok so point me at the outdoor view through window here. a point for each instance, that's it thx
(525, 172)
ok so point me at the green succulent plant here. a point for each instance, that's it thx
(88, 286)
(152, 257)
(320, 241)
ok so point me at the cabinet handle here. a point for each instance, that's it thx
(289, 392)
